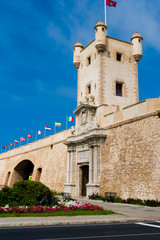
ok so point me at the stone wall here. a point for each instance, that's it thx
(131, 158)
(49, 154)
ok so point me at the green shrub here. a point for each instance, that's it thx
(56, 193)
(135, 201)
(94, 196)
(26, 192)
(152, 203)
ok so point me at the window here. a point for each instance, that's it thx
(119, 89)
(7, 179)
(38, 174)
(88, 61)
(89, 89)
(119, 55)
(103, 29)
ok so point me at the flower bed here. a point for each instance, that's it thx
(62, 207)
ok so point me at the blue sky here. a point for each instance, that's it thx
(38, 81)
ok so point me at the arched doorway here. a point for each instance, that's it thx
(84, 179)
(22, 171)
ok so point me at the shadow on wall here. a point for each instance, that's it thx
(22, 172)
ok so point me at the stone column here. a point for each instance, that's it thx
(90, 164)
(71, 166)
(95, 164)
(68, 172)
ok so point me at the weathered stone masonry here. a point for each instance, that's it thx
(131, 158)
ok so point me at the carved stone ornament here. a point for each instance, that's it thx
(84, 116)
(72, 130)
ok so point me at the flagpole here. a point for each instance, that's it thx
(105, 12)
(36, 136)
(44, 132)
(66, 122)
(54, 129)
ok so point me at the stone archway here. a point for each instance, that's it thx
(22, 171)
(84, 179)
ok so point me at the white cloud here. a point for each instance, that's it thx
(141, 16)
(68, 92)
(56, 33)
(124, 20)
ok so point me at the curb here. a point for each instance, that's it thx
(65, 223)
(72, 222)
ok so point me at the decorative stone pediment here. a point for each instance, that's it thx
(86, 119)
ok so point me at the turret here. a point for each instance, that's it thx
(78, 47)
(100, 36)
(137, 46)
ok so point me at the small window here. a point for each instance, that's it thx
(140, 40)
(89, 89)
(109, 54)
(119, 56)
(103, 29)
(38, 174)
(7, 179)
(88, 61)
(119, 89)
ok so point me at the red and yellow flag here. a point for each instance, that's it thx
(29, 136)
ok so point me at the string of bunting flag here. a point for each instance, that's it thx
(38, 132)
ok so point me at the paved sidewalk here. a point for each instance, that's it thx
(125, 212)
(132, 211)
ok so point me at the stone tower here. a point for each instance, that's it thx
(107, 82)
(107, 70)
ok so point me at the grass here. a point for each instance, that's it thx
(55, 214)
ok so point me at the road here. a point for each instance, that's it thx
(118, 231)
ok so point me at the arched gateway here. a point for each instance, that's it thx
(84, 147)
(22, 171)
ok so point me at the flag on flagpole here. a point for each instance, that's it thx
(22, 139)
(16, 141)
(29, 136)
(47, 128)
(70, 119)
(39, 132)
(6, 146)
(3, 147)
(111, 3)
(57, 124)
(11, 145)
